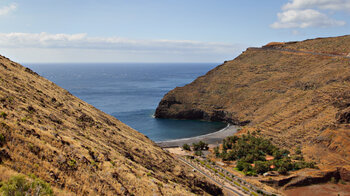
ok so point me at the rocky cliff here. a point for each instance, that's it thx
(79, 150)
(296, 93)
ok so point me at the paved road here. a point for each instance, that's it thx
(208, 176)
(298, 51)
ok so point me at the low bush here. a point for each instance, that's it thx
(245, 188)
(200, 146)
(254, 194)
(186, 147)
(333, 180)
(198, 153)
(298, 150)
(72, 163)
(2, 138)
(19, 185)
(3, 115)
(208, 166)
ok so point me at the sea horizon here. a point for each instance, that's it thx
(131, 92)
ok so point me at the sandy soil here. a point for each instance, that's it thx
(211, 138)
(177, 150)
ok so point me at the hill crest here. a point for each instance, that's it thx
(46, 131)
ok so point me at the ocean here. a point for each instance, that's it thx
(131, 92)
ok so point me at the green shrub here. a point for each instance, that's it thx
(2, 138)
(298, 150)
(3, 115)
(198, 153)
(333, 180)
(216, 151)
(254, 194)
(10, 99)
(261, 167)
(250, 173)
(19, 185)
(160, 184)
(186, 147)
(245, 188)
(94, 163)
(113, 163)
(208, 166)
(30, 146)
(72, 162)
(228, 178)
(282, 170)
(200, 146)
(298, 157)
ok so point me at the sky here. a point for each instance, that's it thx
(59, 31)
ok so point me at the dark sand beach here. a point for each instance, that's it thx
(211, 138)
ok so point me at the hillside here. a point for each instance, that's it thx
(295, 93)
(79, 150)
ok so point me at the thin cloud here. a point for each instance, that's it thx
(320, 4)
(7, 9)
(307, 13)
(83, 41)
(304, 19)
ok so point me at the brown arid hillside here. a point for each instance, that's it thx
(296, 93)
(79, 150)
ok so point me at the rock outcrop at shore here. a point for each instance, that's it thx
(296, 93)
(79, 150)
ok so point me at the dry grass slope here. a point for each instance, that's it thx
(296, 99)
(46, 131)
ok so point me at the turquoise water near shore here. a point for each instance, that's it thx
(131, 92)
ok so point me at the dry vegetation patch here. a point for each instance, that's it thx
(46, 131)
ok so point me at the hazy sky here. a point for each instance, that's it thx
(159, 30)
